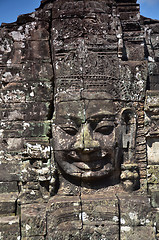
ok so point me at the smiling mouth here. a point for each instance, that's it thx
(90, 163)
(94, 166)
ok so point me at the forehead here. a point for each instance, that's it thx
(99, 107)
(84, 109)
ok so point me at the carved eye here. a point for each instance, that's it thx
(70, 130)
(105, 130)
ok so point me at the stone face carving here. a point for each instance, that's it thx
(79, 123)
(87, 139)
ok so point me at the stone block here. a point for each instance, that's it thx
(30, 193)
(18, 129)
(72, 9)
(37, 148)
(152, 99)
(153, 174)
(36, 50)
(153, 187)
(14, 143)
(156, 54)
(99, 210)
(154, 84)
(35, 30)
(11, 129)
(28, 172)
(6, 46)
(8, 203)
(100, 217)
(63, 29)
(157, 222)
(126, 15)
(24, 49)
(11, 112)
(135, 51)
(64, 217)
(127, 70)
(9, 228)
(105, 65)
(35, 111)
(97, 27)
(13, 92)
(34, 238)
(64, 235)
(10, 74)
(33, 220)
(35, 170)
(136, 233)
(155, 41)
(68, 70)
(36, 129)
(9, 170)
(38, 91)
(108, 232)
(129, 176)
(135, 210)
(155, 198)
(153, 151)
(36, 71)
(30, 111)
(7, 187)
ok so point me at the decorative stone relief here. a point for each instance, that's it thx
(79, 129)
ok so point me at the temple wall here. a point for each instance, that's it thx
(71, 52)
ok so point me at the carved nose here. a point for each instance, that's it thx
(85, 141)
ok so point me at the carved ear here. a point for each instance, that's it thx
(128, 124)
(129, 169)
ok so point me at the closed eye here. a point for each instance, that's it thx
(70, 130)
(105, 130)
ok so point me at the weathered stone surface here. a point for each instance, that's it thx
(34, 238)
(37, 147)
(68, 235)
(129, 233)
(157, 222)
(33, 220)
(153, 174)
(100, 217)
(61, 220)
(9, 228)
(9, 171)
(8, 203)
(135, 210)
(7, 187)
(79, 128)
(129, 177)
(154, 198)
(94, 218)
(152, 150)
(96, 232)
(99, 210)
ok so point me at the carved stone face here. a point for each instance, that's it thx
(85, 138)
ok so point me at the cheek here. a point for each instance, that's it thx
(62, 140)
(59, 157)
(106, 141)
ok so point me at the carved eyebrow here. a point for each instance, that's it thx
(72, 117)
(109, 116)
